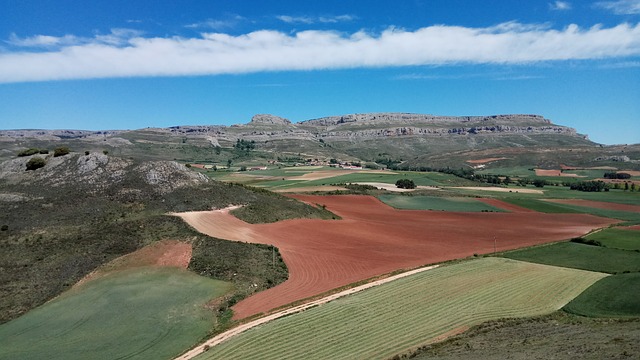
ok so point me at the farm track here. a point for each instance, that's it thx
(374, 239)
(400, 315)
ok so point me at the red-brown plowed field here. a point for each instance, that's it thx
(373, 239)
(635, 227)
(597, 204)
(505, 205)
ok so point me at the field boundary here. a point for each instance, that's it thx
(244, 327)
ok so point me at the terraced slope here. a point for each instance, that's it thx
(390, 319)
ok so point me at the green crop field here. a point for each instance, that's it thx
(617, 238)
(613, 296)
(539, 205)
(390, 319)
(150, 313)
(420, 202)
(580, 256)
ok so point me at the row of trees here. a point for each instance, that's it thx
(59, 151)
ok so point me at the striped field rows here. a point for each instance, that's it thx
(395, 317)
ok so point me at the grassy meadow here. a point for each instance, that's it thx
(150, 313)
(398, 316)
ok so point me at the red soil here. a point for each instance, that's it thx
(374, 239)
(597, 204)
(505, 205)
(169, 253)
(635, 227)
(484, 161)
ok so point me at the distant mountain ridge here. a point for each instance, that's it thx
(370, 125)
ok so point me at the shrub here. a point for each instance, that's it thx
(61, 151)
(35, 163)
(405, 184)
(187, 165)
(539, 183)
(106, 152)
(29, 152)
(44, 151)
(87, 153)
(4, 227)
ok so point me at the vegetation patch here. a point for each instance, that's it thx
(580, 256)
(556, 336)
(151, 313)
(617, 238)
(613, 296)
(433, 303)
(422, 202)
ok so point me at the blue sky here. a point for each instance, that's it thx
(133, 64)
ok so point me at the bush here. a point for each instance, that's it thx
(106, 152)
(29, 152)
(539, 183)
(405, 184)
(589, 186)
(44, 151)
(61, 151)
(4, 227)
(87, 153)
(35, 163)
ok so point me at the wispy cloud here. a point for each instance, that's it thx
(218, 24)
(621, 7)
(128, 55)
(560, 5)
(116, 37)
(315, 19)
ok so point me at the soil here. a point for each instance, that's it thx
(393, 188)
(541, 172)
(165, 253)
(506, 206)
(374, 239)
(310, 189)
(635, 227)
(484, 161)
(501, 189)
(597, 204)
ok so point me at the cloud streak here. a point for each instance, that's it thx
(313, 19)
(621, 7)
(560, 5)
(123, 54)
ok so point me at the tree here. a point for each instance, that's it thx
(626, 186)
(539, 183)
(405, 184)
(35, 162)
(61, 151)
(243, 168)
(229, 163)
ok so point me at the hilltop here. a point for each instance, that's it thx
(413, 140)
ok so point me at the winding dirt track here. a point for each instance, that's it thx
(374, 239)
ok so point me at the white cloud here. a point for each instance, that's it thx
(42, 41)
(621, 7)
(218, 24)
(313, 20)
(560, 5)
(267, 50)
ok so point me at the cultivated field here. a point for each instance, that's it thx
(419, 202)
(374, 239)
(143, 313)
(393, 318)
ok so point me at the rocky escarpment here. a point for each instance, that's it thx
(264, 127)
